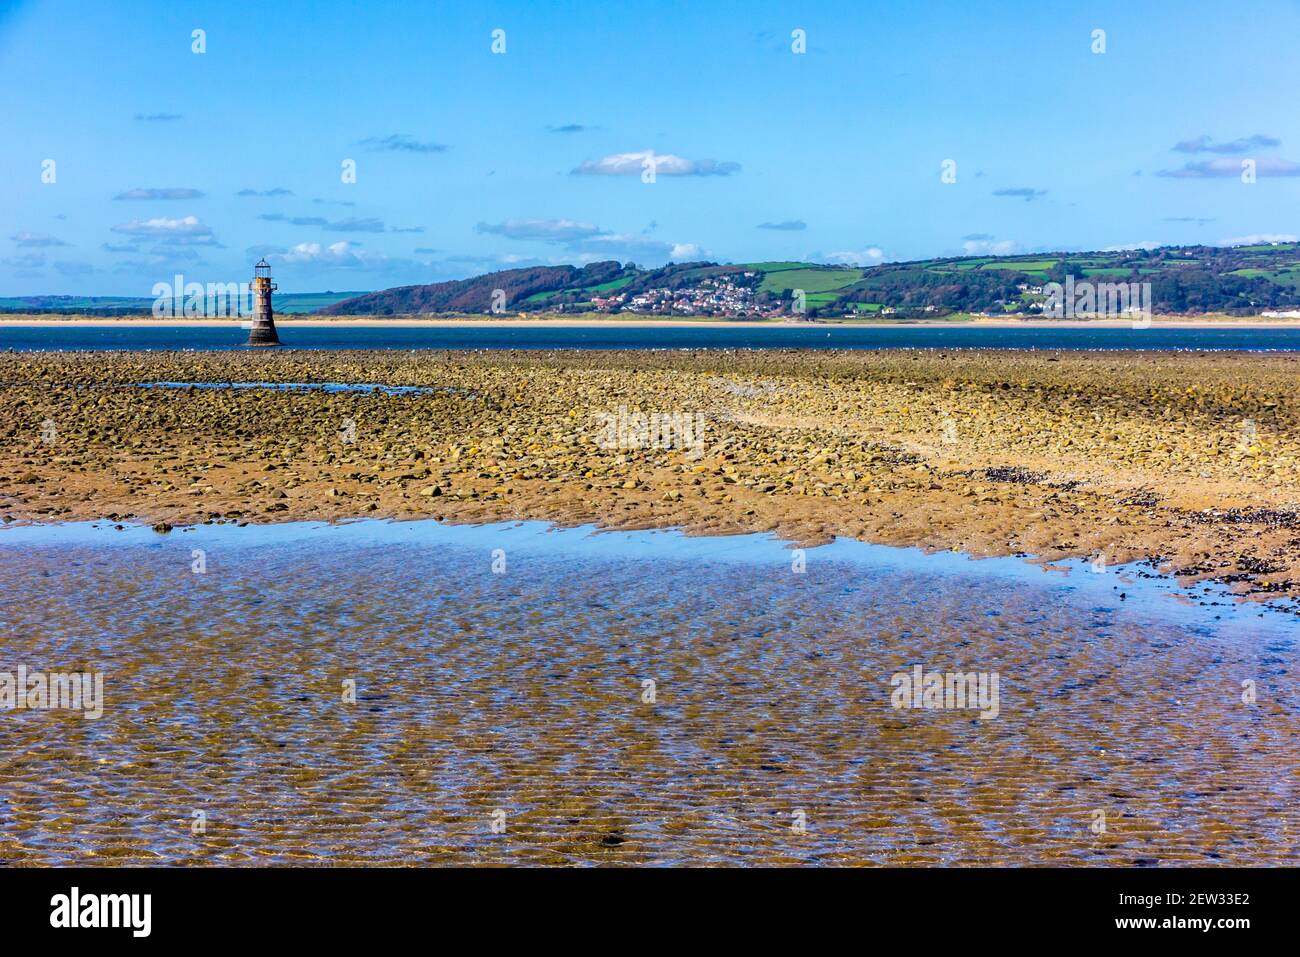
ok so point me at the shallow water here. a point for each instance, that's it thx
(485, 336)
(515, 699)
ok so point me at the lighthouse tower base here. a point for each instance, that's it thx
(263, 333)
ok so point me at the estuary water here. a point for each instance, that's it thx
(417, 693)
(49, 337)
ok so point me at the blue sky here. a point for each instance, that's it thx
(167, 160)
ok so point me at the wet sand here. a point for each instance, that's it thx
(1186, 460)
(513, 697)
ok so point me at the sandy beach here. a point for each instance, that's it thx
(596, 320)
(1116, 457)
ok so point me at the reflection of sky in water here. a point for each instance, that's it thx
(1072, 581)
(522, 691)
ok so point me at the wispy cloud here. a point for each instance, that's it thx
(587, 242)
(25, 261)
(262, 250)
(664, 164)
(175, 192)
(1027, 193)
(1260, 239)
(986, 245)
(400, 143)
(634, 246)
(186, 230)
(275, 191)
(354, 225)
(350, 225)
(1206, 144)
(570, 128)
(294, 220)
(1198, 220)
(786, 225)
(36, 240)
(1131, 247)
(495, 259)
(1225, 168)
(157, 117)
(161, 257)
(546, 230)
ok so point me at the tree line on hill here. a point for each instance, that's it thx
(1185, 280)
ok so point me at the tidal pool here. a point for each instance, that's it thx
(415, 693)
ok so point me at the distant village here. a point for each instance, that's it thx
(711, 296)
(725, 297)
(722, 297)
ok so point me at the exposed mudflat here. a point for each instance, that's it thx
(1191, 461)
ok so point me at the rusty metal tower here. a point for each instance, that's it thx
(262, 332)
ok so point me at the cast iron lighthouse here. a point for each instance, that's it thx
(262, 332)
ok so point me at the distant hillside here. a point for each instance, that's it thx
(1187, 279)
(1241, 280)
(477, 294)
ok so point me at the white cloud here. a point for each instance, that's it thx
(342, 253)
(349, 256)
(664, 164)
(865, 257)
(187, 230)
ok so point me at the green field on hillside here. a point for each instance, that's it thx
(809, 279)
(1016, 265)
(773, 266)
(610, 286)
